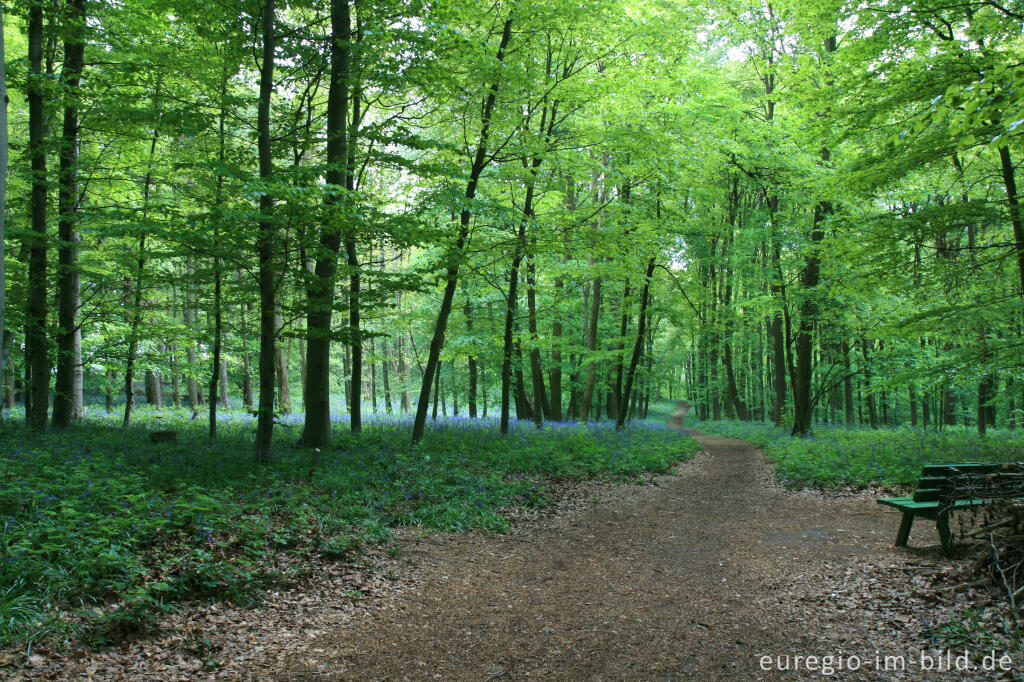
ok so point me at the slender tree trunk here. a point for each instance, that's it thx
(848, 385)
(36, 351)
(189, 316)
(542, 408)
(175, 381)
(385, 368)
(373, 375)
(216, 367)
(872, 408)
(468, 311)
(9, 379)
(524, 408)
(108, 389)
(480, 161)
(6, 340)
(441, 389)
(912, 398)
(265, 246)
(69, 353)
(591, 345)
(302, 369)
(483, 389)
(555, 375)
(1016, 215)
(615, 396)
(247, 395)
(140, 271)
(507, 344)
(403, 376)
(802, 400)
(437, 394)
(284, 393)
(638, 346)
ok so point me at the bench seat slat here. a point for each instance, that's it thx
(910, 504)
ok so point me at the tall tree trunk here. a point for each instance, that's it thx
(591, 344)
(9, 378)
(6, 339)
(912, 398)
(872, 407)
(140, 272)
(302, 369)
(480, 161)
(555, 375)
(265, 247)
(638, 346)
(373, 375)
(284, 393)
(437, 394)
(247, 396)
(218, 369)
(542, 408)
(175, 380)
(1016, 214)
(222, 388)
(507, 343)
(320, 292)
(468, 310)
(802, 399)
(69, 353)
(385, 368)
(108, 390)
(403, 376)
(524, 408)
(615, 396)
(189, 316)
(848, 386)
(36, 351)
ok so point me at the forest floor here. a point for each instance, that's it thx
(695, 575)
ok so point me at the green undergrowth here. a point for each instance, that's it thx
(978, 631)
(102, 529)
(835, 456)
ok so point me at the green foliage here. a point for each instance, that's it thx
(971, 630)
(101, 522)
(838, 456)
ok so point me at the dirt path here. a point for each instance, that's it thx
(692, 578)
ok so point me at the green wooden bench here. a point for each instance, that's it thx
(943, 488)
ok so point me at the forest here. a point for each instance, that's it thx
(312, 270)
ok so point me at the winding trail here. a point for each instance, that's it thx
(691, 578)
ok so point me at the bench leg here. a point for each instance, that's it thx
(904, 532)
(942, 522)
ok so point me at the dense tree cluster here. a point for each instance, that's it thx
(795, 212)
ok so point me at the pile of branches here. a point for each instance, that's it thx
(993, 534)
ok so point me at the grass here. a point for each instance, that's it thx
(970, 630)
(101, 529)
(836, 456)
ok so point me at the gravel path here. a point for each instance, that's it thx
(693, 578)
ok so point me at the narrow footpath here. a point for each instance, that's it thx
(694, 577)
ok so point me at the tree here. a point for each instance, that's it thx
(265, 242)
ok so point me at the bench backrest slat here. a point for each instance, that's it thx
(947, 470)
